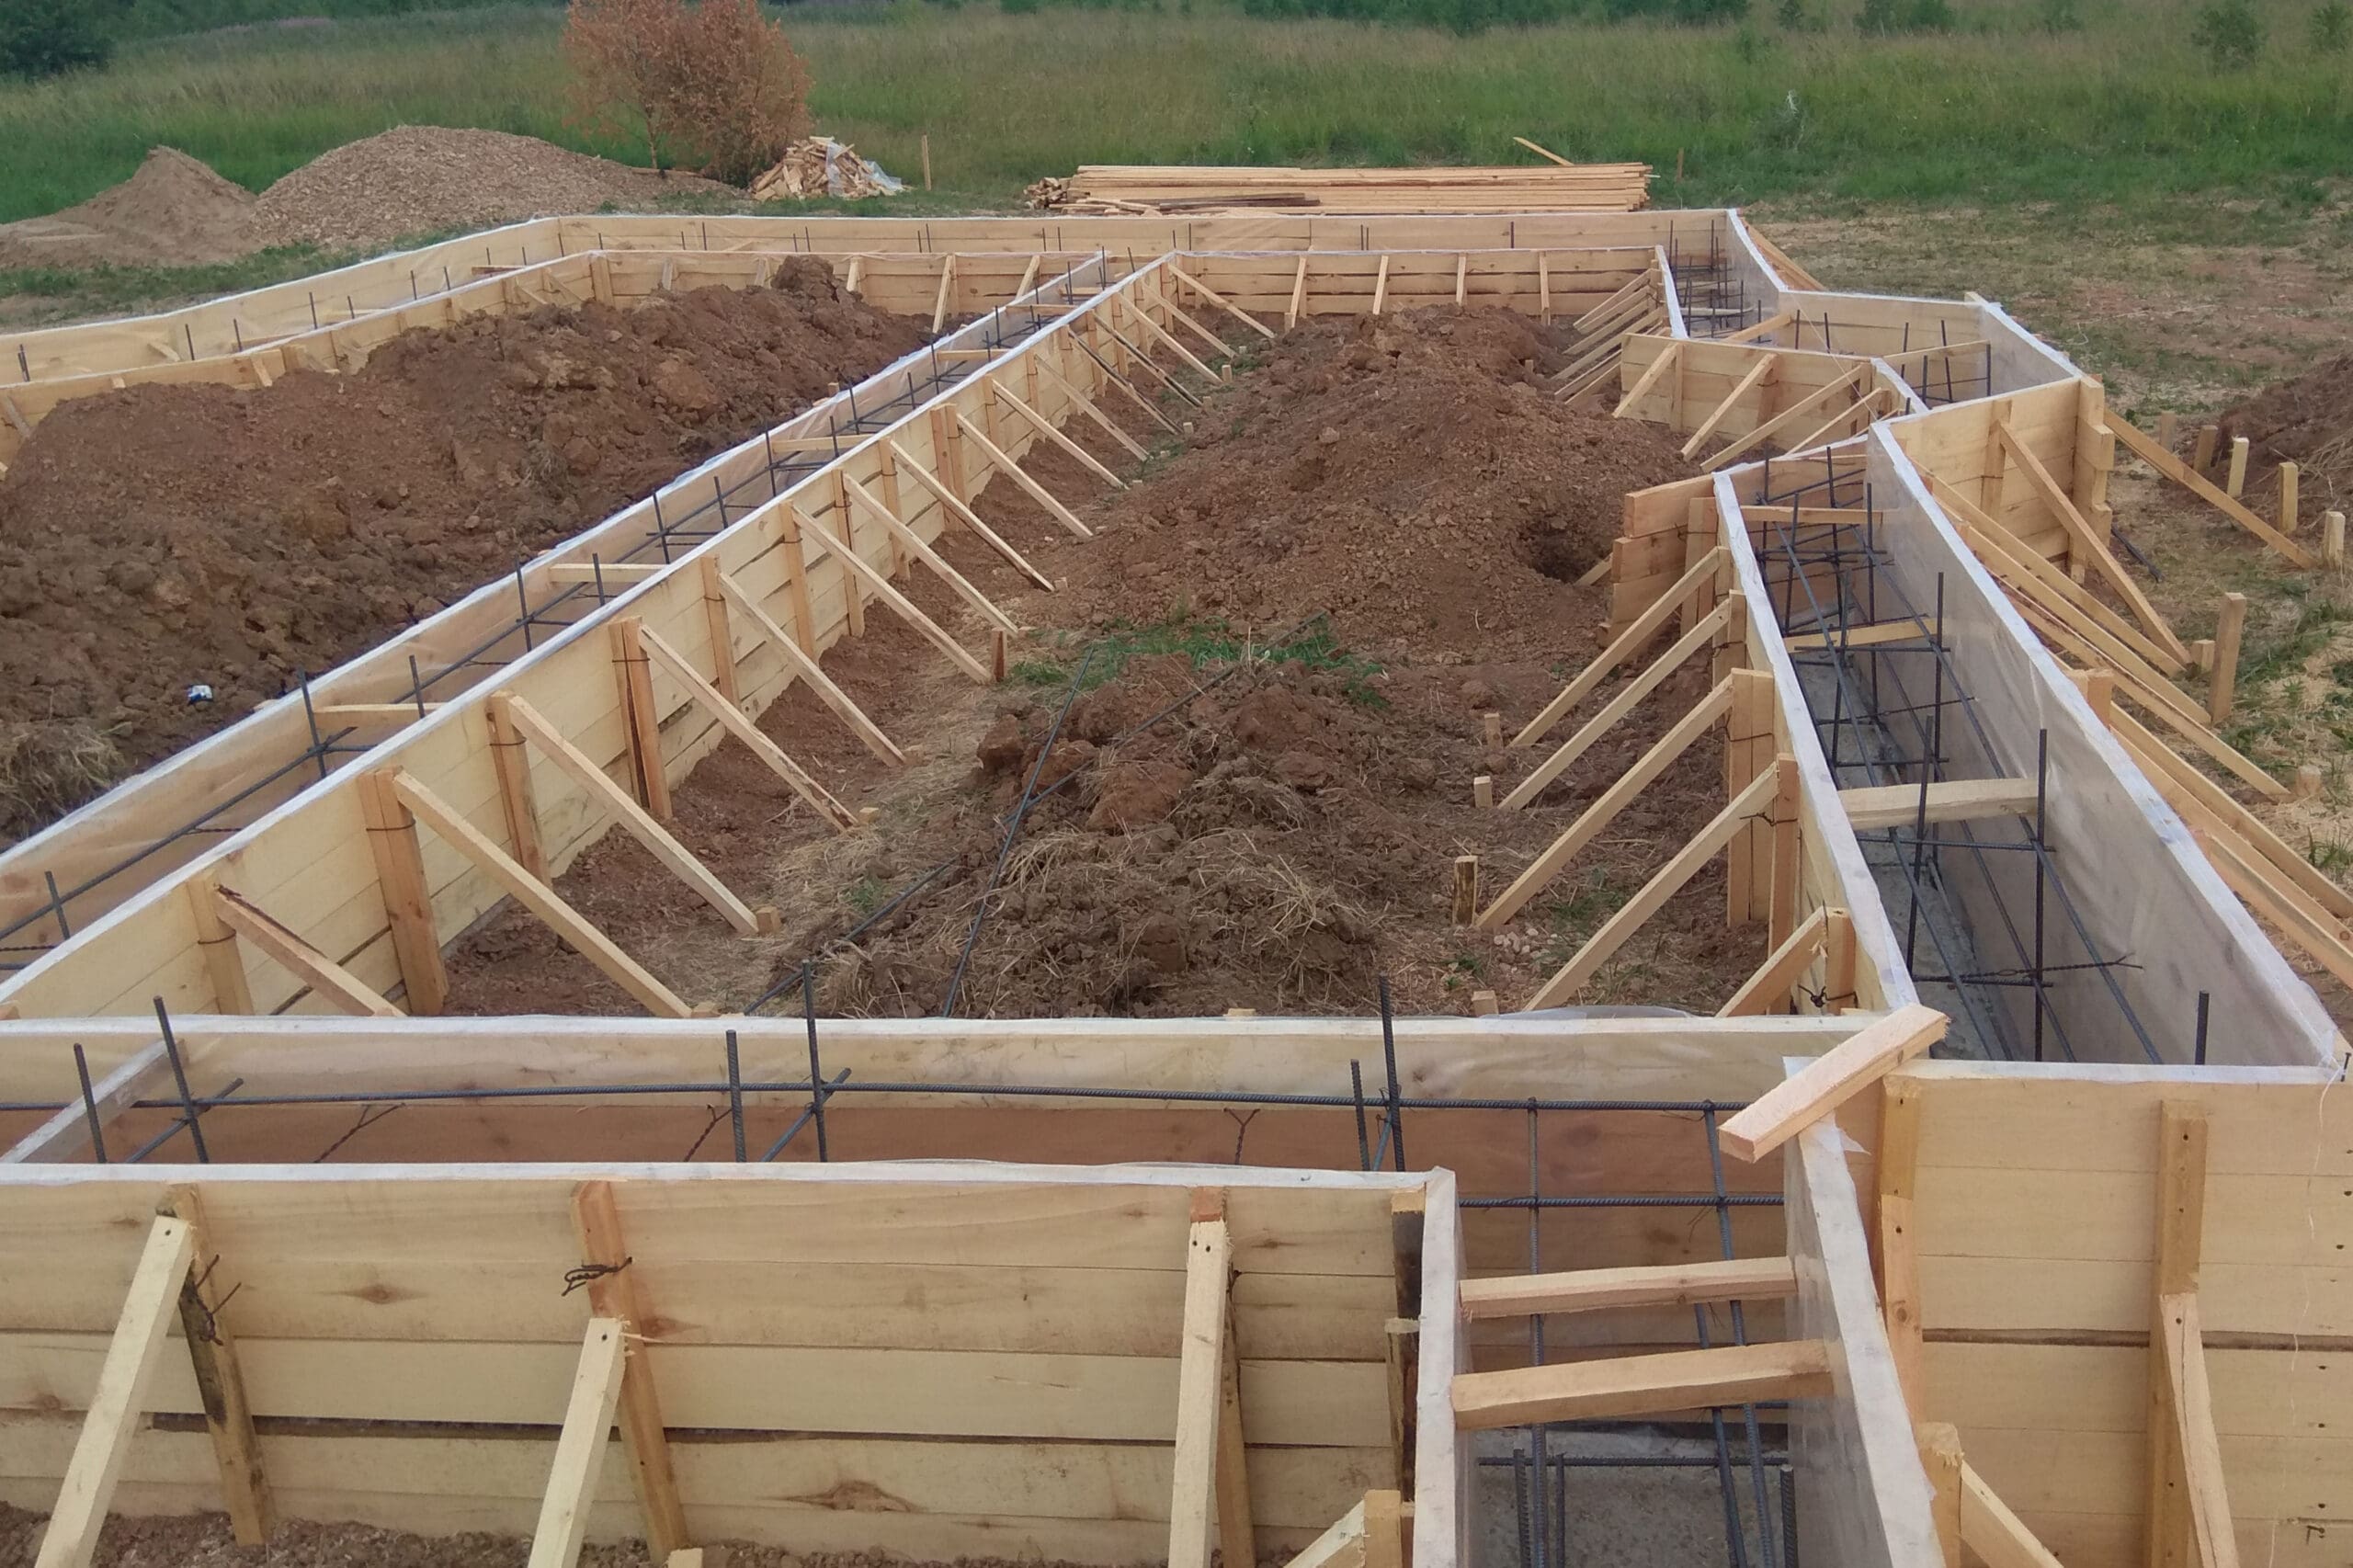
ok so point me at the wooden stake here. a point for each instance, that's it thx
(408, 901)
(1491, 729)
(640, 720)
(722, 636)
(2202, 455)
(1482, 790)
(133, 1354)
(513, 765)
(1484, 1004)
(927, 160)
(2228, 628)
(2168, 430)
(613, 1294)
(1466, 888)
(1207, 1271)
(2332, 540)
(224, 963)
(2237, 480)
(2289, 474)
(580, 1448)
(219, 1380)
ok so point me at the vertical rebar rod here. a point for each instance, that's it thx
(179, 1077)
(816, 1071)
(89, 1105)
(735, 1096)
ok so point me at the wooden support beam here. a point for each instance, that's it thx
(809, 671)
(2300, 918)
(149, 1309)
(2198, 484)
(963, 513)
(1896, 1242)
(220, 1378)
(1221, 301)
(1949, 800)
(1823, 1084)
(939, 319)
(1762, 329)
(1236, 1529)
(1380, 289)
(1663, 884)
(1941, 1456)
(408, 900)
(1878, 634)
(2083, 536)
(1996, 1535)
(1384, 1529)
(1173, 344)
(2214, 1539)
(1786, 418)
(1660, 669)
(914, 543)
(1604, 810)
(225, 961)
(1668, 358)
(513, 765)
(1765, 365)
(1087, 406)
(1192, 324)
(734, 721)
(617, 803)
(1624, 647)
(580, 1448)
(860, 572)
(1835, 427)
(534, 894)
(2229, 627)
(1036, 492)
(639, 718)
(322, 975)
(1655, 1285)
(1052, 432)
(1342, 1546)
(1298, 294)
(723, 634)
(1768, 990)
(2201, 736)
(613, 1294)
(1629, 1386)
(2180, 1247)
(2027, 571)
(1209, 1271)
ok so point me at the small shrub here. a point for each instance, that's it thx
(2228, 33)
(49, 38)
(2332, 28)
(714, 83)
(2061, 16)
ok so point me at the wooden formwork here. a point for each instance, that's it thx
(941, 286)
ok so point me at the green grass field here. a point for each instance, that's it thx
(2124, 110)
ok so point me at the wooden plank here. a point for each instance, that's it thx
(579, 1450)
(1896, 1234)
(809, 671)
(324, 977)
(149, 1309)
(644, 720)
(513, 765)
(1768, 990)
(1047, 427)
(1663, 885)
(658, 841)
(533, 894)
(1627, 1387)
(1624, 647)
(2173, 468)
(732, 718)
(2196, 731)
(1086, 405)
(1708, 629)
(613, 1294)
(1787, 418)
(2214, 1543)
(2302, 921)
(966, 516)
(220, 1381)
(1765, 365)
(2084, 537)
(1947, 800)
(408, 898)
(1236, 1515)
(1826, 1082)
(1208, 1269)
(1342, 1546)
(1592, 1290)
(1996, 1534)
(899, 605)
(1004, 464)
(915, 542)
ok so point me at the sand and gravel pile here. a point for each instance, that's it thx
(174, 210)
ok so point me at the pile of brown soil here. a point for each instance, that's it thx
(159, 536)
(1407, 474)
(1289, 835)
(422, 179)
(174, 210)
(2307, 421)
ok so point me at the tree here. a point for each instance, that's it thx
(714, 85)
(47, 38)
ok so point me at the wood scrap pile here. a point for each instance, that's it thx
(1108, 188)
(817, 166)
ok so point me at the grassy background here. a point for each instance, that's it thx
(2124, 110)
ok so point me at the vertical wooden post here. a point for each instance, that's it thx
(224, 963)
(1940, 1453)
(1838, 962)
(512, 762)
(796, 579)
(2228, 629)
(2180, 1242)
(1209, 1260)
(2236, 481)
(1892, 1233)
(2095, 458)
(1748, 749)
(614, 1294)
(947, 452)
(2201, 457)
(1787, 871)
(842, 535)
(1466, 888)
(2168, 430)
(408, 900)
(927, 160)
(2288, 476)
(723, 635)
(2332, 540)
(220, 1381)
(639, 718)
(1482, 790)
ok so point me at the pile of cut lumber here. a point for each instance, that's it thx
(1554, 188)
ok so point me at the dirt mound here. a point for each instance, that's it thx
(2307, 421)
(420, 179)
(1407, 474)
(158, 537)
(173, 209)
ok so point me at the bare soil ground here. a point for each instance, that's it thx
(159, 536)
(1367, 543)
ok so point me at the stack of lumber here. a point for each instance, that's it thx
(817, 166)
(1609, 188)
